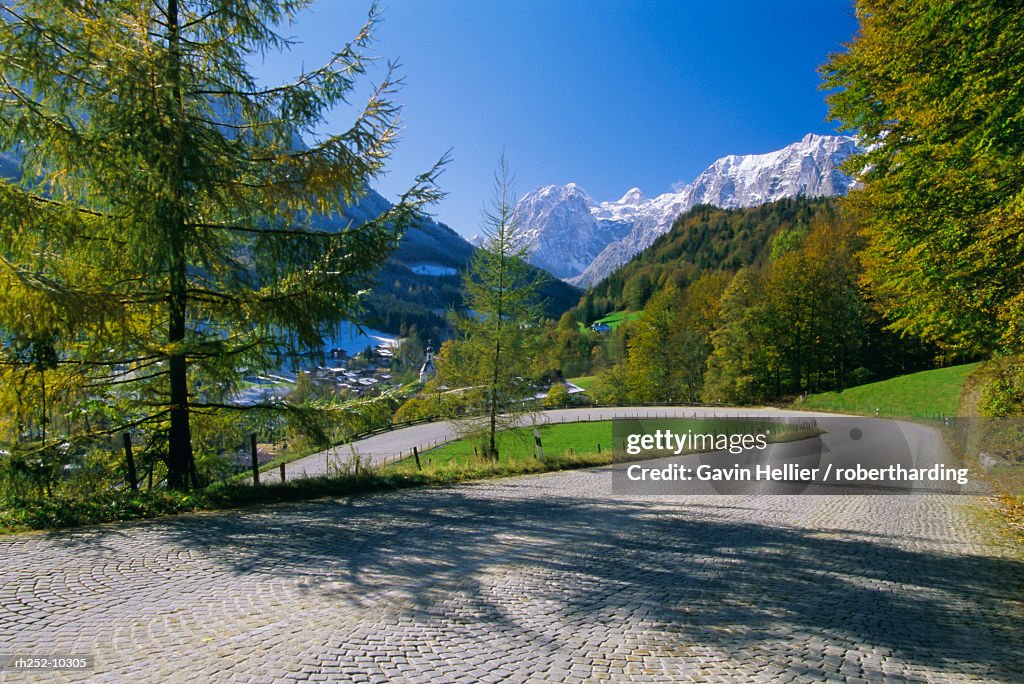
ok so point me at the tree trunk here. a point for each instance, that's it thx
(492, 448)
(42, 388)
(179, 456)
(497, 346)
(180, 462)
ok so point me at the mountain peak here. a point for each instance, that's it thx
(574, 190)
(557, 193)
(632, 196)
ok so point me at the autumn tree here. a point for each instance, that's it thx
(740, 364)
(814, 314)
(795, 325)
(935, 91)
(670, 344)
(168, 227)
(698, 318)
(650, 362)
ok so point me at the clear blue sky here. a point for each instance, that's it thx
(609, 94)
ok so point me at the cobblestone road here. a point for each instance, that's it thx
(543, 578)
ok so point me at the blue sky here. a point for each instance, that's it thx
(608, 94)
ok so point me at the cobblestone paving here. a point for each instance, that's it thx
(544, 578)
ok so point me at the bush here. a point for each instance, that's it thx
(611, 385)
(859, 376)
(423, 407)
(993, 404)
(558, 395)
(1002, 390)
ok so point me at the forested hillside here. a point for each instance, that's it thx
(704, 238)
(738, 306)
(422, 282)
(921, 266)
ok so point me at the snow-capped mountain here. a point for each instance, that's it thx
(564, 230)
(582, 240)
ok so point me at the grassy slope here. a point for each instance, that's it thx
(584, 381)
(919, 395)
(121, 505)
(556, 439)
(614, 320)
(571, 440)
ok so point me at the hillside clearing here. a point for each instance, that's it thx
(918, 395)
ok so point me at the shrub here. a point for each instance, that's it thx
(558, 395)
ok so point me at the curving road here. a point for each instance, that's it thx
(548, 578)
(396, 444)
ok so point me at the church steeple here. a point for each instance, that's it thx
(428, 370)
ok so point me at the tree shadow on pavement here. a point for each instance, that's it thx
(536, 566)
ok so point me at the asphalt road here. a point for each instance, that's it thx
(845, 442)
(395, 444)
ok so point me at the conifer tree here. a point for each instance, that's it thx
(168, 224)
(490, 363)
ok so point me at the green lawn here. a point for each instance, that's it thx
(585, 381)
(614, 320)
(593, 439)
(517, 445)
(918, 395)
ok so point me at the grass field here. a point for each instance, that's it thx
(614, 320)
(586, 440)
(517, 445)
(585, 381)
(919, 395)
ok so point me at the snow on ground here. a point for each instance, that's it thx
(353, 342)
(433, 270)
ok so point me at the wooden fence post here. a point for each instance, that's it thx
(416, 455)
(255, 459)
(281, 466)
(133, 480)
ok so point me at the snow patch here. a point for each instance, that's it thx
(433, 270)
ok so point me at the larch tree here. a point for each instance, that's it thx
(168, 226)
(499, 335)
